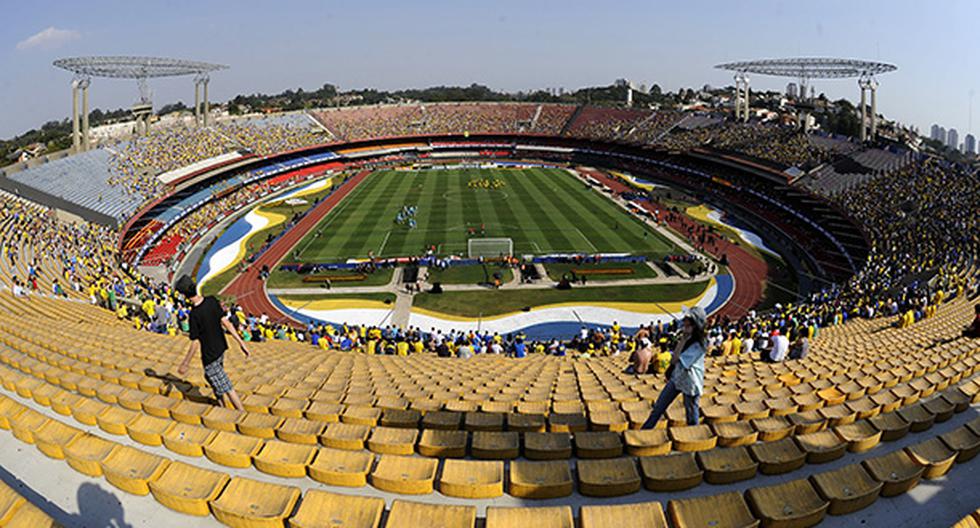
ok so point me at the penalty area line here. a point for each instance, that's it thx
(384, 243)
(587, 241)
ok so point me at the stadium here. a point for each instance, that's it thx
(480, 311)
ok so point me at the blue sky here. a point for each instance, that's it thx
(508, 45)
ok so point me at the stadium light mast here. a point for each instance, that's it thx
(806, 69)
(140, 69)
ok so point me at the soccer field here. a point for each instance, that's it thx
(542, 210)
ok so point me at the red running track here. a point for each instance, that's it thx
(249, 290)
(749, 271)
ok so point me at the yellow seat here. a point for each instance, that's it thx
(443, 420)
(778, 457)
(339, 467)
(472, 479)
(897, 471)
(259, 425)
(733, 434)
(247, 503)
(186, 439)
(405, 514)
(918, 417)
(324, 411)
(483, 421)
(131, 470)
(159, 405)
(289, 407)
(891, 425)
(405, 475)
(52, 437)
(724, 466)
(30, 516)
(821, 447)
(942, 409)
(496, 445)
(24, 424)
(598, 444)
(793, 503)
(232, 449)
(540, 479)
(673, 472)
(807, 422)
(725, 509)
(693, 438)
(222, 418)
(962, 440)
(86, 453)
(149, 430)
(405, 418)
(392, 441)
(115, 419)
(300, 431)
(8, 409)
(321, 509)
(284, 459)
(361, 415)
(934, 455)
(188, 489)
(443, 443)
(647, 442)
(567, 422)
(547, 446)
(847, 489)
(646, 514)
(553, 517)
(10, 501)
(526, 423)
(608, 478)
(860, 436)
(189, 412)
(345, 436)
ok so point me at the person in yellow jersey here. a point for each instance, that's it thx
(663, 358)
(401, 347)
(417, 346)
(736, 344)
(372, 346)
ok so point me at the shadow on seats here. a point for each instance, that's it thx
(171, 383)
(96, 506)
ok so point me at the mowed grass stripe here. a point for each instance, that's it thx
(593, 224)
(405, 241)
(369, 235)
(550, 236)
(355, 225)
(457, 216)
(518, 229)
(560, 205)
(343, 223)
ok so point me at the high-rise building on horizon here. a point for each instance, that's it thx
(953, 139)
(970, 144)
(934, 133)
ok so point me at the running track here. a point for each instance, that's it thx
(249, 290)
(749, 271)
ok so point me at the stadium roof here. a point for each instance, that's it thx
(134, 67)
(810, 67)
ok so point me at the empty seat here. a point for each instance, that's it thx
(406, 418)
(646, 514)
(547, 446)
(148, 430)
(324, 411)
(553, 517)
(608, 478)
(897, 471)
(259, 425)
(725, 509)
(962, 440)
(733, 434)
(526, 423)
(693, 438)
(187, 439)
(345, 436)
(443, 420)
(115, 419)
(284, 459)
(405, 475)
(647, 442)
(361, 415)
(300, 431)
(321, 509)
(848, 489)
(567, 422)
(10, 501)
(934, 455)
(339, 467)
(773, 428)
(232, 449)
(822, 446)
(25, 423)
(891, 425)
(918, 417)
(540, 479)
(188, 489)
(673, 472)
(442, 443)
(131, 470)
(472, 479)
(808, 422)
(723, 466)
(483, 421)
(189, 412)
(598, 444)
(942, 409)
(52, 437)
(405, 514)
(247, 503)
(30, 516)
(794, 503)
(860, 436)
(495, 445)
(778, 457)
(392, 441)
(222, 418)
(86, 452)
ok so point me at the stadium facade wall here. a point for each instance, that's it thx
(55, 202)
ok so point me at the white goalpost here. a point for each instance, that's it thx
(489, 247)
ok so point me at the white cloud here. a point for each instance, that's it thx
(49, 38)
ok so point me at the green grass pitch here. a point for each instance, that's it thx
(542, 210)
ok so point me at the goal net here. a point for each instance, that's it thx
(489, 247)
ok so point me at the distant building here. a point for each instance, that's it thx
(970, 144)
(941, 135)
(935, 133)
(953, 139)
(792, 91)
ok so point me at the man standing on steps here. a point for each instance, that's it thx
(207, 327)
